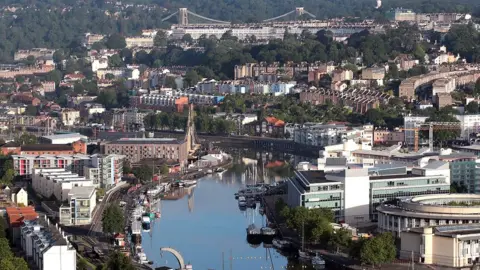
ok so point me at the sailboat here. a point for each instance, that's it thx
(302, 254)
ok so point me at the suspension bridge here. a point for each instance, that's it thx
(183, 15)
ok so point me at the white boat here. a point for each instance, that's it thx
(209, 171)
(318, 261)
(267, 231)
(280, 244)
(188, 183)
(304, 255)
(242, 201)
(154, 191)
(142, 258)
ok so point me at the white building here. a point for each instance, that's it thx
(47, 246)
(70, 117)
(354, 193)
(331, 134)
(67, 138)
(19, 196)
(57, 182)
(100, 63)
(82, 201)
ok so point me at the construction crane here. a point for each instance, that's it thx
(431, 127)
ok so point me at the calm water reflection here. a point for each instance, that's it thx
(207, 222)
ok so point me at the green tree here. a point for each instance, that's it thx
(144, 173)
(3, 227)
(109, 76)
(31, 110)
(58, 56)
(476, 89)
(115, 61)
(118, 261)
(164, 170)
(5, 252)
(160, 39)
(191, 78)
(8, 177)
(187, 38)
(26, 138)
(170, 82)
(341, 238)
(108, 98)
(113, 219)
(472, 107)
(419, 52)
(19, 263)
(115, 41)
(379, 249)
(127, 168)
(54, 75)
(82, 264)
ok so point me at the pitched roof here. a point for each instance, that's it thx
(274, 121)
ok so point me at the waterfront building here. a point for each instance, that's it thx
(136, 149)
(388, 137)
(79, 208)
(57, 182)
(105, 171)
(355, 192)
(25, 164)
(399, 216)
(47, 246)
(455, 246)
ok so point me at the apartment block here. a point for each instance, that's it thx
(35, 52)
(24, 165)
(341, 75)
(135, 149)
(159, 102)
(360, 100)
(376, 73)
(57, 182)
(139, 41)
(47, 246)
(105, 170)
(389, 137)
(79, 208)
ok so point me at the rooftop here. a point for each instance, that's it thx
(46, 147)
(82, 192)
(65, 136)
(148, 141)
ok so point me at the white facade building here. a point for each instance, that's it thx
(100, 63)
(70, 117)
(19, 196)
(25, 164)
(57, 182)
(81, 202)
(354, 193)
(47, 246)
(63, 138)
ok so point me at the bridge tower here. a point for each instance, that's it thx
(182, 16)
(299, 11)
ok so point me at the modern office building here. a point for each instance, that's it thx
(57, 182)
(398, 216)
(47, 246)
(136, 149)
(354, 193)
(464, 170)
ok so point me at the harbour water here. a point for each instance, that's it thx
(205, 224)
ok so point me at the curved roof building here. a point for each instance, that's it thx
(428, 210)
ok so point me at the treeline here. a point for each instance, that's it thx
(203, 123)
(8, 261)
